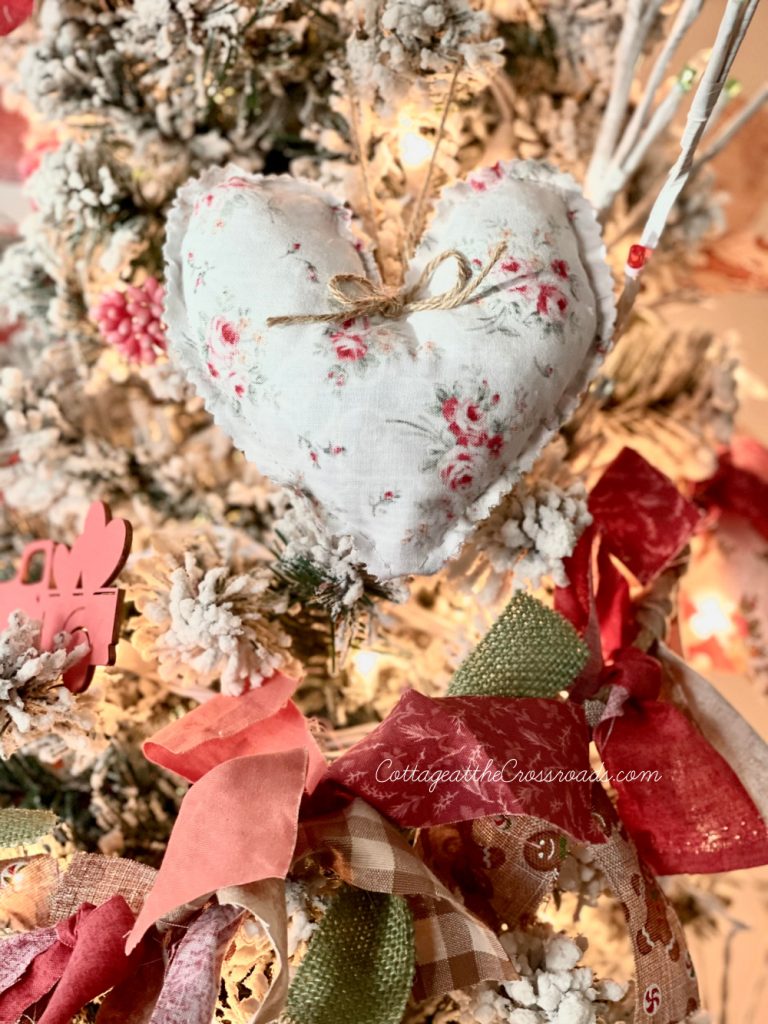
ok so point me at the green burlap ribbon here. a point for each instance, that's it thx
(360, 964)
(18, 827)
(530, 651)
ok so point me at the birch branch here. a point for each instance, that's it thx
(638, 19)
(688, 12)
(736, 19)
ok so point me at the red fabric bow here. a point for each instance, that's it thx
(52, 973)
(692, 814)
(448, 759)
(740, 484)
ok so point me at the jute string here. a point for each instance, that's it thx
(357, 295)
(417, 217)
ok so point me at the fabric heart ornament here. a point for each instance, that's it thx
(400, 432)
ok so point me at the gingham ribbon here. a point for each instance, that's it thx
(454, 949)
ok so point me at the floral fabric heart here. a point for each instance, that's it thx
(401, 433)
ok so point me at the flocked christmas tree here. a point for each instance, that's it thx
(236, 583)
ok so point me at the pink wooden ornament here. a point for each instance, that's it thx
(73, 592)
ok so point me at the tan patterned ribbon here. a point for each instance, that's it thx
(665, 980)
(506, 866)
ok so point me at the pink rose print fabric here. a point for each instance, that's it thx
(221, 339)
(399, 433)
(350, 340)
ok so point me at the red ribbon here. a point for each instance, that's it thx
(740, 484)
(433, 761)
(85, 958)
(693, 815)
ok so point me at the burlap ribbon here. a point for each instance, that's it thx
(20, 827)
(530, 651)
(360, 964)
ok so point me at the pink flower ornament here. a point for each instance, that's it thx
(132, 321)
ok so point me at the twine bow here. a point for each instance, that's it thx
(371, 299)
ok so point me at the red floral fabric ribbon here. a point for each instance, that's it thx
(439, 760)
(641, 520)
(14, 13)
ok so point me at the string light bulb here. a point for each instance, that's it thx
(712, 616)
(415, 148)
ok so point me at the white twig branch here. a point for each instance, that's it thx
(734, 24)
(688, 12)
(638, 19)
(641, 209)
(720, 108)
(735, 125)
(618, 172)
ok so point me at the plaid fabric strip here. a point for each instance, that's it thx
(453, 948)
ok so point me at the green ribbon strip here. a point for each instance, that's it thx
(530, 651)
(360, 964)
(19, 827)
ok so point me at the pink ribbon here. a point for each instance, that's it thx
(250, 759)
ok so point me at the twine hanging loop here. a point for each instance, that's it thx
(357, 295)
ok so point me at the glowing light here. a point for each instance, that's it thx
(415, 150)
(366, 663)
(712, 617)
